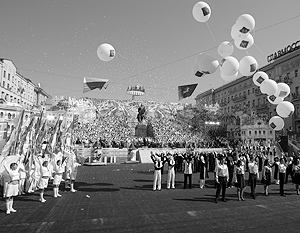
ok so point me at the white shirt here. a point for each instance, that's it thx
(222, 170)
(188, 167)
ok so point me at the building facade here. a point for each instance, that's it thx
(242, 96)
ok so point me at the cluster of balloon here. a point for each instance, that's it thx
(276, 93)
(106, 52)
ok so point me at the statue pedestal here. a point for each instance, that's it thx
(141, 130)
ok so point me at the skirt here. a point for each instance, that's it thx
(43, 183)
(12, 190)
(268, 178)
(297, 178)
(240, 181)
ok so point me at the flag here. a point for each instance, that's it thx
(93, 83)
(186, 90)
(11, 144)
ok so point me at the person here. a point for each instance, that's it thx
(240, 179)
(230, 165)
(171, 172)
(296, 169)
(202, 171)
(23, 174)
(72, 170)
(188, 171)
(12, 187)
(276, 170)
(59, 168)
(44, 178)
(253, 175)
(266, 176)
(221, 179)
(289, 169)
(157, 171)
(282, 170)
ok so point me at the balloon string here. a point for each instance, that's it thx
(259, 49)
(122, 56)
(210, 32)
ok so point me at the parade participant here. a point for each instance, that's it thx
(297, 174)
(230, 165)
(157, 171)
(59, 168)
(44, 178)
(221, 178)
(188, 170)
(266, 176)
(276, 170)
(12, 188)
(72, 170)
(171, 172)
(240, 179)
(202, 168)
(253, 175)
(23, 174)
(289, 169)
(282, 170)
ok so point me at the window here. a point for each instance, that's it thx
(249, 132)
(4, 74)
(248, 92)
(296, 73)
(3, 84)
(8, 77)
(253, 90)
(253, 103)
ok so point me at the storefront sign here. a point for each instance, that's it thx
(284, 51)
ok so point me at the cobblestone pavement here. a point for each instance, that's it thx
(119, 198)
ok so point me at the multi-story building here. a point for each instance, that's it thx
(242, 96)
(17, 92)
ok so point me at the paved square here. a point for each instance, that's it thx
(119, 198)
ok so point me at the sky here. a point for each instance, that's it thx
(55, 42)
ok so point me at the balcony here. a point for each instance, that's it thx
(239, 98)
(223, 104)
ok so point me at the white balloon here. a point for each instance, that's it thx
(106, 52)
(195, 71)
(201, 12)
(259, 77)
(229, 78)
(283, 90)
(245, 43)
(276, 123)
(269, 87)
(285, 109)
(235, 34)
(275, 99)
(229, 65)
(245, 23)
(248, 65)
(225, 49)
(207, 64)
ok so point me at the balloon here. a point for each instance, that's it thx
(245, 23)
(275, 99)
(235, 34)
(207, 64)
(228, 78)
(283, 90)
(248, 65)
(201, 12)
(245, 43)
(269, 87)
(225, 49)
(285, 109)
(259, 77)
(276, 123)
(106, 52)
(196, 72)
(229, 65)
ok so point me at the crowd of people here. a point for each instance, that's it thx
(230, 169)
